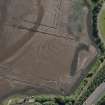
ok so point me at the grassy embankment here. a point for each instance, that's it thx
(101, 23)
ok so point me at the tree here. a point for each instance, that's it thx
(95, 1)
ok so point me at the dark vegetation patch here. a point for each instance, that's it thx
(98, 79)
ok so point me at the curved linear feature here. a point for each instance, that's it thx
(74, 64)
(13, 49)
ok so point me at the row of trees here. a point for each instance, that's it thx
(42, 100)
(99, 78)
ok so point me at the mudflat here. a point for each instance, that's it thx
(44, 44)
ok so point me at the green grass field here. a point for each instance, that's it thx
(101, 23)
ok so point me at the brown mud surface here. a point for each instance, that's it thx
(41, 47)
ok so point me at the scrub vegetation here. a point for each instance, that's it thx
(101, 101)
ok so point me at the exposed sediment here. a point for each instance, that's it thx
(39, 50)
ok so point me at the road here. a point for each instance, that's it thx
(95, 96)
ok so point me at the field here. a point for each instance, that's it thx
(101, 23)
(45, 45)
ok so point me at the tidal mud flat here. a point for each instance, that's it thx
(39, 45)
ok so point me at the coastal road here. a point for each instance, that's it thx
(95, 96)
